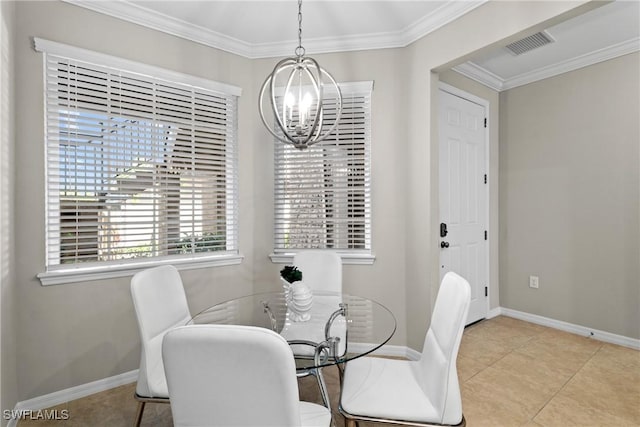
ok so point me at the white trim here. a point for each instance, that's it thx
(573, 328)
(442, 16)
(59, 277)
(114, 62)
(487, 167)
(142, 16)
(572, 64)
(388, 350)
(494, 312)
(465, 95)
(487, 78)
(139, 15)
(347, 258)
(77, 392)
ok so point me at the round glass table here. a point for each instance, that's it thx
(340, 327)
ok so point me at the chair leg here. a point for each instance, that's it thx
(323, 388)
(139, 411)
(350, 422)
(340, 373)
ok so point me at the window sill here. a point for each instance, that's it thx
(74, 275)
(347, 258)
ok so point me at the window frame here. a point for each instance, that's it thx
(364, 256)
(79, 272)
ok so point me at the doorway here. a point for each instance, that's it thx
(463, 193)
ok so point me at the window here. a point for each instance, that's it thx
(323, 193)
(141, 164)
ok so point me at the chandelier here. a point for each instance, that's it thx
(296, 87)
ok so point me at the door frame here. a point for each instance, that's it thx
(486, 105)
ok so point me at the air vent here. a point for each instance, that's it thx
(529, 43)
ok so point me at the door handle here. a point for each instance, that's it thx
(443, 229)
(444, 245)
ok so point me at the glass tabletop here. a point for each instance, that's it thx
(340, 327)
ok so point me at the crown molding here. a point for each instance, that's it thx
(487, 78)
(133, 13)
(610, 52)
(481, 75)
(158, 21)
(440, 17)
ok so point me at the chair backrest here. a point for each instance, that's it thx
(321, 269)
(440, 351)
(230, 375)
(160, 305)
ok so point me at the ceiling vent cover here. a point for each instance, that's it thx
(529, 43)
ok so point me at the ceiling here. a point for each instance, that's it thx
(268, 28)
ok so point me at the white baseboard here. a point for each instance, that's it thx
(494, 312)
(390, 350)
(73, 393)
(572, 328)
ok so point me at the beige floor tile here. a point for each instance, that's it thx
(483, 350)
(526, 327)
(573, 342)
(567, 353)
(484, 410)
(563, 411)
(514, 392)
(617, 358)
(510, 334)
(468, 367)
(541, 371)
(615, 392)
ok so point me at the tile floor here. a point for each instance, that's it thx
(512, 373)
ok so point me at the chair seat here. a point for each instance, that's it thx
(313, 415)
(386, 388)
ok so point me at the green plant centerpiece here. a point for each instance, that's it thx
(297, 294)
(291, 274)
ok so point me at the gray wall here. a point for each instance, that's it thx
(72, 334)
(570, 197)
(8, 306)
(438, 52)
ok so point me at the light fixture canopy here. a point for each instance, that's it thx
(296, 89)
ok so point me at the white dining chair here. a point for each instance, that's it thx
(423, 392)
(232, 375)
(160, 305)
(321, 269)
(322, 272)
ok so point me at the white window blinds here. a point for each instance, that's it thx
(137, 166)
(323, 193)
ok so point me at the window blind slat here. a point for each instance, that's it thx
(136, 166)
(323, 194)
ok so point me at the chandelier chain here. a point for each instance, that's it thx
(300, 50)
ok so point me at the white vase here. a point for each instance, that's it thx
(299, 301)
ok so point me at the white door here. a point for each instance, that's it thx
(463, 196)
